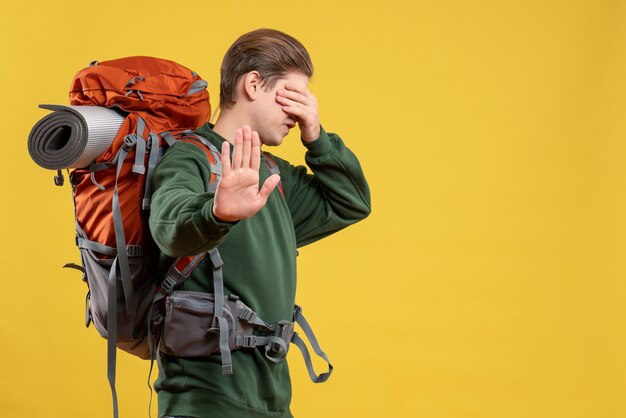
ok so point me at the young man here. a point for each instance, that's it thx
(256, 223)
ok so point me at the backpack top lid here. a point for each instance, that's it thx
(167, 95)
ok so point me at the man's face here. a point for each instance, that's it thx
(268, 118)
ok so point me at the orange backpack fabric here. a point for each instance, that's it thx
(157, 91)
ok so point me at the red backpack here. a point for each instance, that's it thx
(165, 102)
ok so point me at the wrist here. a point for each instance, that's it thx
(311, 135)
(222, 219)
(320, 147)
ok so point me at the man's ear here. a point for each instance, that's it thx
(251, 84)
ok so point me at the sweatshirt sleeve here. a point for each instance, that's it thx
(181, 217)
(334, 196)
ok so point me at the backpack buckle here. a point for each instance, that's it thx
(129, 142)
(134, 80)
(215, 325)
(284, 331)
(58, 179)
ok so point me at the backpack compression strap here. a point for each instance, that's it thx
(120, 262)
(120, 267)
(299, 318)
(220, 324)
(155, 154)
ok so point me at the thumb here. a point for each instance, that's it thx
(269, 186)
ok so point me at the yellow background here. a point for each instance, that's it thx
(488, 281)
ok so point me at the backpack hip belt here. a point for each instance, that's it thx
(190, 330)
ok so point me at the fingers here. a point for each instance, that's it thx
(237, 150)
(294, 96)
(298, 102)
(299, 113)
(300, 97)
(225, 158)
(255, 154)
(247, 147)
(301, 110)
(300, 91)
(242, 152)
(269, 186)
(246, 151)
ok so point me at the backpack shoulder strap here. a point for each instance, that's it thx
(272, 166)
(212, 154)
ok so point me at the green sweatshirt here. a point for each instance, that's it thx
(259, 256)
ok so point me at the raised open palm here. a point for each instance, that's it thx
(238, 196)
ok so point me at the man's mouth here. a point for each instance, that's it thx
(290, 123)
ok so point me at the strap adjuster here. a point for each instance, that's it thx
(168, 284)
(246, 313)
(134, 250)
(248, 341)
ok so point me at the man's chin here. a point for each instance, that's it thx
(273, 142)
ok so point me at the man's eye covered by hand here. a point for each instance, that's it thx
(300, 103)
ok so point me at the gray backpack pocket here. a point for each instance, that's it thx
(188, 329)
(131, 329)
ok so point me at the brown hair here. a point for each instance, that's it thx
(270, 52)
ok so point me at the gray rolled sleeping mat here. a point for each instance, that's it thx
(73, 136)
